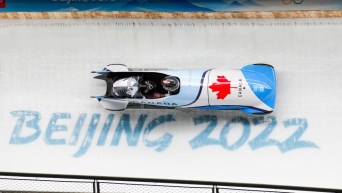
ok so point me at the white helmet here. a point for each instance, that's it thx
(126, 87)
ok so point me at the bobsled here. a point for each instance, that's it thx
(251, 89)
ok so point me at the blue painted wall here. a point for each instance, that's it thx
(167, 5)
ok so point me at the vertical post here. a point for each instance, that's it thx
(215, 189)
(96, 186)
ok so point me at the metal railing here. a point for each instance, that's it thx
(14, 184)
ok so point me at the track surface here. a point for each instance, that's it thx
(45, 68)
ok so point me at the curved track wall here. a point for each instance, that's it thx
(49, 124)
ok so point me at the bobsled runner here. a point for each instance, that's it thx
(251, 89)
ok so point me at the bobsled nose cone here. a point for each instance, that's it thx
(262, 81)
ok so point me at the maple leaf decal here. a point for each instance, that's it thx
(222, 86)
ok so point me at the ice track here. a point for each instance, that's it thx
(45, 72)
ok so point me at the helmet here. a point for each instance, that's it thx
(125, 87)
(170, 83)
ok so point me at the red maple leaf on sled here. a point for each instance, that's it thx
(222, 86)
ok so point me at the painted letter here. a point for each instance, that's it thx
(263, 140)
(32, 124)
(89, 136)
(53, 127)
(105, 130)
(163, 142)
(203, 138)
(244, 136)
(132, 137)
(294, 142)
(77, 130)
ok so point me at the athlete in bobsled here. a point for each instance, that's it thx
(251, 89)
(138, 87)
